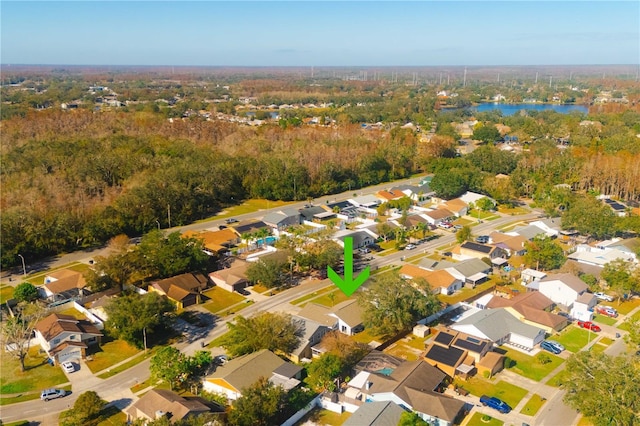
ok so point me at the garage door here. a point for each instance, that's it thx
(72, 355)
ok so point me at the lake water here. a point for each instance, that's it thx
(510, 109)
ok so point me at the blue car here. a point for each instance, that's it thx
(495, 403)
(551, 347)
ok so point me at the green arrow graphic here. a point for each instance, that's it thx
(348, 285)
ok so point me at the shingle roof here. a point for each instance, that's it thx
(169, 402)
(469, 267)
(570, 280)
(498, 323)
(376, 413)
(318, 313)
(349, 312)
(481, 248)
(65, 280)
(54, 324)
(244, 371)
(440, 213)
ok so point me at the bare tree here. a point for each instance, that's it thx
(18, 330)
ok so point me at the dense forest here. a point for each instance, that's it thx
(72, 179)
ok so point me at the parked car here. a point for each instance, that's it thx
(68, 367)
(482, 239)
(566, 315)
(607, 310)
(602, 296)
(495, 403)
(589, 325)
(550, 347)
(48, 394)
(409, 247)
(231, 220)
(557, 345)
(457, 227)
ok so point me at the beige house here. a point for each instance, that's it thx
(159, 403)
(66, 338)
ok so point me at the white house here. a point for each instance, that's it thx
(563, 289)
(582, 308)
(529, 275)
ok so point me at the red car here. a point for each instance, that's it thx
(589, 325)
(607, 310)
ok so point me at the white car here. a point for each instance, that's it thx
(68, 367)
(410, 247)
(602, 296)
(48, 394)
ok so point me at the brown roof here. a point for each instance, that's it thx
(491, 359)
(191, 282)
(413, 271)
(455, 205)
(215, 240)
(391, 195)
(235, 274)
(515, 243)
(440, 278)
(531, 306)
(64, 280)
(245, 370)
(349, 311)
(573, 282)
(65, 345)
(168, 402)
(439, 213)
(415, 219)
(55, 324)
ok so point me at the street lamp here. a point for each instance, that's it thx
(24, 268)
(158, 222)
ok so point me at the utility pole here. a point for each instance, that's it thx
(169, 214)
(464, 81)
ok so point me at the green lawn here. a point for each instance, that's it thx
(74, 313)
(325, 299)
(627, 306)
(480, 214)
(325, 417)
(556, 381)
(625, 326)
(111, 416)
(573, 338)
(6, 293)
(220, 299)
(476, 420)
(465, 293)
(530, 367)
(127, 365)
(111, 353)
(365, 336)
(249, 206)
(603, 319)
(533, 405)
(403, 351)
(38, 375)
(513, 211)
(511, 394)
(312, 295)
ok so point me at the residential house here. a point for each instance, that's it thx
(529, 232)
(313, 213)
(368, 201)
(183, 290)
(473, 197)
(345, 317)
(532, 308)
(513, 245)
(434, 217)
(470, 271)
(606, 251)
(618, 208)
(361, 238)
(216, 241)
(582, 308)
(239, 373)
(529, 275)
(440, 281)
(63, 284)
(66, 338)
(249, 227)
(470, 250)
(376, 413)
(393, 194)
(412, 384)
(417, 193)
(158, 403)
(500, 326)
(563, 289)
(456, 353)
(283, 219)
(457, 206)
(312, 334)
(233, 278)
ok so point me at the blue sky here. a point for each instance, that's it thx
(320, 33)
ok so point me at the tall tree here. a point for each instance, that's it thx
(170, 365)
(116, 269)
(323, 372)
(622, 277)
(85, 410)
(259, 405)
(543, 253)
(464, 234)
(589, 216)
(392, 304)
(603, 388)
(133, 316)
(267, 271)
(25, 292)
(273, 331)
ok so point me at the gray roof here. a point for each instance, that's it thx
(368, 199)
(435, 264)
(470, 267)
(498, 323)
(309, 212)
(570, 280)
(274, 218)
(376, 413)
(358, 237)
(530, 231)
(244, 371)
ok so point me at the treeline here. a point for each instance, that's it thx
(76, 179)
